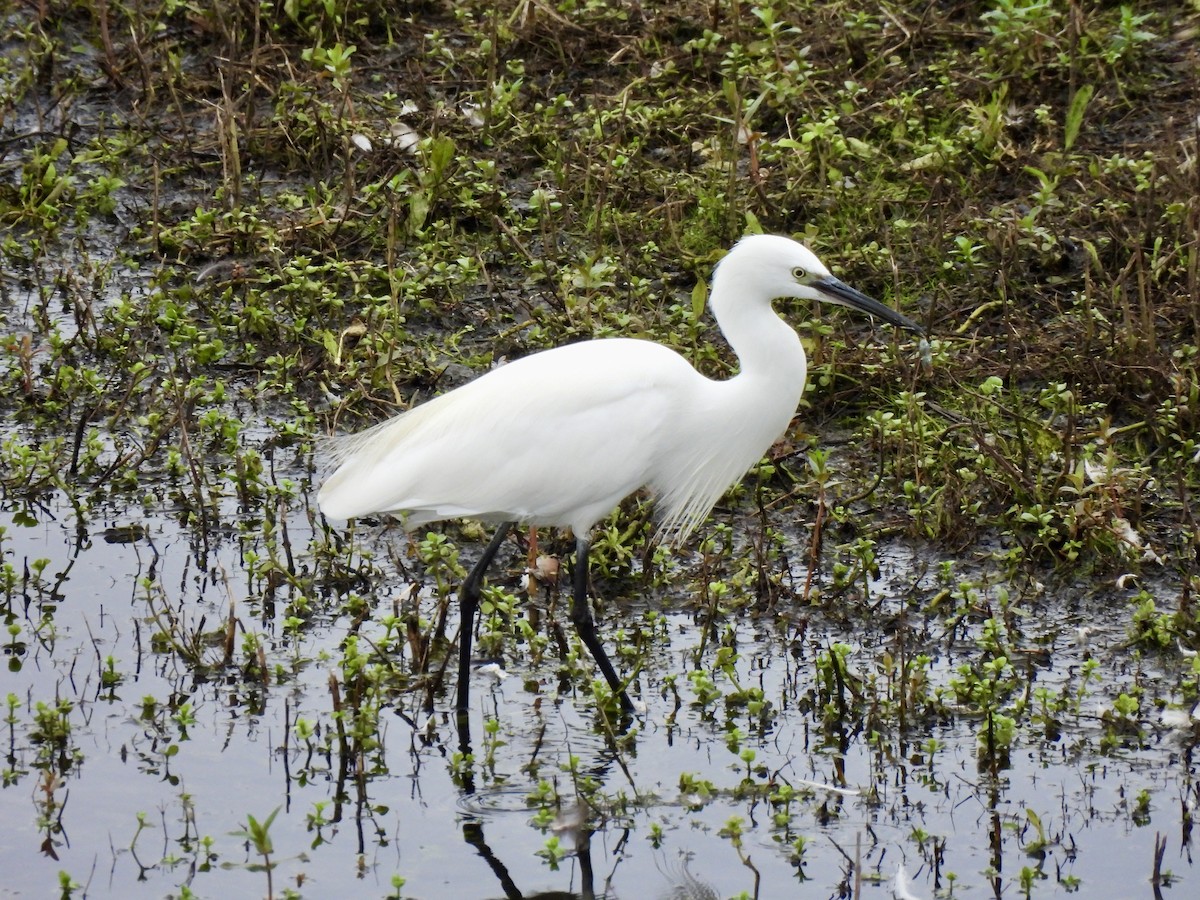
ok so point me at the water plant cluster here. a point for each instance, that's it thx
(231, 228)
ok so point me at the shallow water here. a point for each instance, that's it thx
(137, 803)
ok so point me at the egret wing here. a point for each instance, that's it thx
(555, 438)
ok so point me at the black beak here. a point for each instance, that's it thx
(841, 293)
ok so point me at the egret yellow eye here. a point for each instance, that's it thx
(799, 274)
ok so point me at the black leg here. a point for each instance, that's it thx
(581, 615)
(468, 604)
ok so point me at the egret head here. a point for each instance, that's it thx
(769, 265)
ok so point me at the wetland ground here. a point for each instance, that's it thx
(942, 642)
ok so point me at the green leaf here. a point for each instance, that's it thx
(418, 210)
(1075, 114)
(699, 298)
(439, 156)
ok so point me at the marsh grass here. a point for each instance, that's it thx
(230, 228)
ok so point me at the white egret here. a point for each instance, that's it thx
(560, 437)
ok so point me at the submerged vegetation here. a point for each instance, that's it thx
(230, 228)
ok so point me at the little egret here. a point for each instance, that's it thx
(560, 437)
